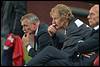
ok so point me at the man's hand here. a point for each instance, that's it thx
(26, 39)
(52, 29)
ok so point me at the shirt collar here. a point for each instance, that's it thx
(36, 31)
(96, 27)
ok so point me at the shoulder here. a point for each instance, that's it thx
(43, 25)
(82, 25)
(43, 28)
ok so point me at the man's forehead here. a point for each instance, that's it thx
(95, 8)
(25, 21)
(54, 15)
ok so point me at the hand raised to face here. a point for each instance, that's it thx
(52, 29)
(26, 39)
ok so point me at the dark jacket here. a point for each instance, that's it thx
(64, 57)
(42, 39)
(74, 33)
(89, 45)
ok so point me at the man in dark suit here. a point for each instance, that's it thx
(75, 30)
(88, 49)
(34, 31)
(34, 37)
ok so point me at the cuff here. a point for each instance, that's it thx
(28, 48)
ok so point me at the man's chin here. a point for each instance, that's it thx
(91, 25)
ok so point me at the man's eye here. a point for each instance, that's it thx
(91, 14)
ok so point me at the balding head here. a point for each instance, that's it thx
(95, 8)
(93, 16)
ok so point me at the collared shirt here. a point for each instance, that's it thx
(36, 35)
(96, 27)
(29, 47)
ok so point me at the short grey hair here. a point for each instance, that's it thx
(32, 17)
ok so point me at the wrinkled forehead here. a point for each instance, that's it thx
(95, 8)
(54, 13)
(25, 22)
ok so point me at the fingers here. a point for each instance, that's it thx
(26, 35)
(26, 39)
(52, 29)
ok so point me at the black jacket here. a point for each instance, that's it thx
(90, 44)
(42, 39)
(74, 33)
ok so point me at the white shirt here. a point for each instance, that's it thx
(96, 27)
(29, 47)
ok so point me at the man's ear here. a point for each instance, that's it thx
(33, 25)
(66, 16)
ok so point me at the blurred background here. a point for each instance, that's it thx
(42, 8)
(11, 12)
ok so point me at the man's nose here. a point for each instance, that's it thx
(53, 22)
(24, 29)
(88, 16)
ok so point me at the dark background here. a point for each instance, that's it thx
(42, 8)
(12, 11)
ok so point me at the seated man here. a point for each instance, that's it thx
(75, 30)
(34, 31)
(36, 36)
(89, 49)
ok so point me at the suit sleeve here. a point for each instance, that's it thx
(32, 52)
(45, 40)
(90, 44)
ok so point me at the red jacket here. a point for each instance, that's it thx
(18, 53)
